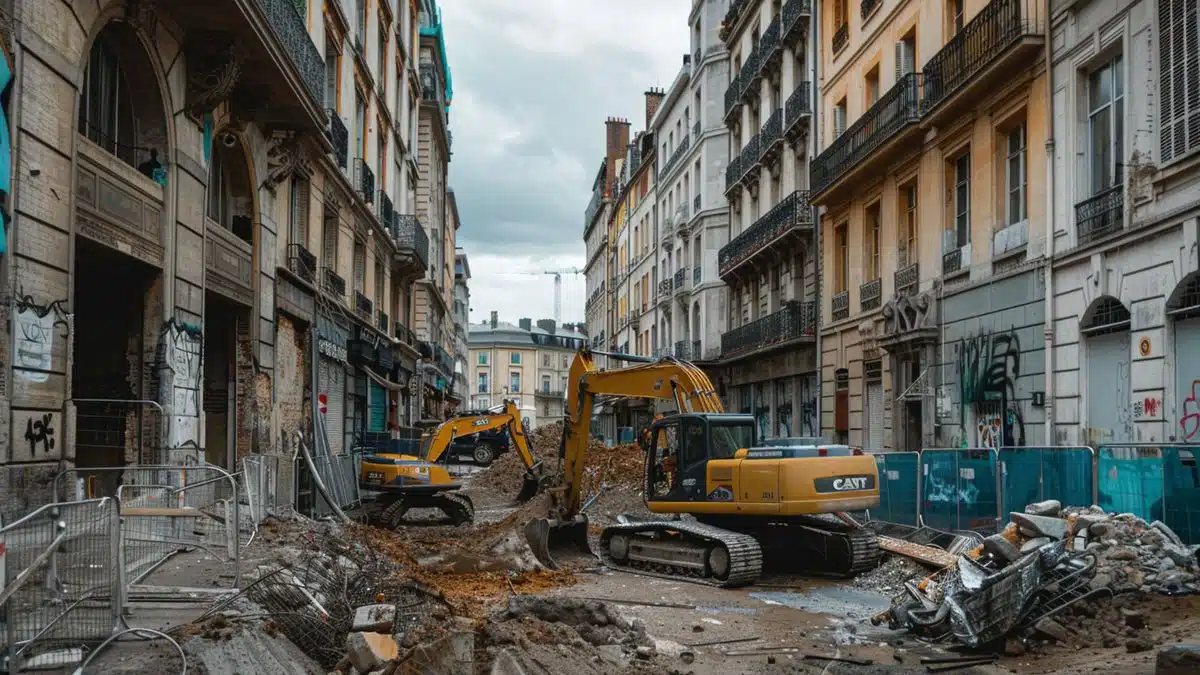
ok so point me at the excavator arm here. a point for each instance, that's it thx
(666, 379)
(441, 438)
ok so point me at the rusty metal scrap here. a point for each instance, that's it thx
(925, 554)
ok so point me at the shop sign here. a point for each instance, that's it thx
(331, 350)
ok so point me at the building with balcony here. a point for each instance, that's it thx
(237, 201)
(526, 363)
(769, 261)
(931, 184)
(436, 207)
(693, 149)
(596, 269)
(461, 313)
(1124, 287)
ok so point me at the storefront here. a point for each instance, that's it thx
(332, 363)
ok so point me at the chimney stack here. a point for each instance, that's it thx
(654, 98)
(495, 318)
(547, 325)
(617, 139)
(525, 324)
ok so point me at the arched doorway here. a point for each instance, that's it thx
(1105, 330)
(228, 364)
(117, 297)
(1183, 308)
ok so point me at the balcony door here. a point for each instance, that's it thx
(1106, 126)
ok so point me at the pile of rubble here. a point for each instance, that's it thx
(1049, 562)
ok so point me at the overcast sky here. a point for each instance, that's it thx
(533, 83)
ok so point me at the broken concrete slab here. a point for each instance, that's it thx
(1040, 526)
(368, 651)
(370, 618)
(1053, 629)
(1178, 660)
(1002, 548)
(1166, 531)
(452, 654)
(507, 664)
(1050, 507)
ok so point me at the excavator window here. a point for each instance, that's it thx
(728, 437)
(665, 459)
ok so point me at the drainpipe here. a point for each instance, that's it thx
(818, 261)
(1048, 258)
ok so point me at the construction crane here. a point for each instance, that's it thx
(558, 275)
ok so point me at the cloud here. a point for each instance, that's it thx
(533, 83)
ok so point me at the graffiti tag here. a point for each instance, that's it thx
(1190, 420)
(988, 369)
(40, 432)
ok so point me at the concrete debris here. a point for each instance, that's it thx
(374, 618)
(1062, 574)
(368, 651)
(891, 575)
(1178, 660)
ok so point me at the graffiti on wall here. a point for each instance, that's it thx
(180, 346)
(988, 368)
(35, 328)
(1189, 420)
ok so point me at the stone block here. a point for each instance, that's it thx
(367, 617)
(1178, 660)
(1040, 526)
(1050, 507)
(368, 651)
(1002, 548)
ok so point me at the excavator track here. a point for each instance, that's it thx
(458, 508)
(695, 545)
(828, 545)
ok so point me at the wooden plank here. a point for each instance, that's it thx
(923, 554)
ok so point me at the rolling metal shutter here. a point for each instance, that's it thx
(332, 382)
(378, 408)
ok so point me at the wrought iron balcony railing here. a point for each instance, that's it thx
(408, 234)
(796, 14)
(680, 281)
(664, 289)
(791, 212)
(386, 211)
(676, 156)
(384, 321)
(733, 97)
(952, 261)
(302, 262)
(403, 334)
(770, 45)
(339, 137)
(363, 305)
(906, 279)
(897, 109)
(870, 294)
(798, 107)
(771, 134)
(364, 180)
(867, 8)
(794, 321)
(292, 31)
(1100, 215)
(334, 283)
(985, 37)
(841, 37)
(839, 305)
(733, 174)
(750, 156)
(751, 73)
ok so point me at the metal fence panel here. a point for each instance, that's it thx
(1181, 479)
(1034, 474)
(899, 475)
(208, 493)
(959, 489)
(64, 587)
(1130, 480)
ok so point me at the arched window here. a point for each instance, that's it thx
(120, 107)
(1106, 315)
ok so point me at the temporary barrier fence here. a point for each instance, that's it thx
(973, 489)
(166, 509)
(63, 584)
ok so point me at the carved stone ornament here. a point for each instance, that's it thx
(214, 64)
(286, 156)
(143, 15)
(905, 315)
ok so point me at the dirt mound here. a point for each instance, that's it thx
(620, 466)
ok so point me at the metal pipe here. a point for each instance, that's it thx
(818, 261)
(1048, 258)
(320, 483)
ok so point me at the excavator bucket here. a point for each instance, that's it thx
(531, 485)
(547, 537)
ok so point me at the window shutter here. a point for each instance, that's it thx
(1179, 77)
(301, 210)
(839, 121)
(329, 252)
(904, 59)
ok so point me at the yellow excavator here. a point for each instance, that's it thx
(406, 481)
(747, 501)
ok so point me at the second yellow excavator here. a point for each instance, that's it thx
(747, 501)
(406, 481)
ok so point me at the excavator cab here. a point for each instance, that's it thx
(681, 448)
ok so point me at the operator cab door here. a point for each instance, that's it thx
(677, 459)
